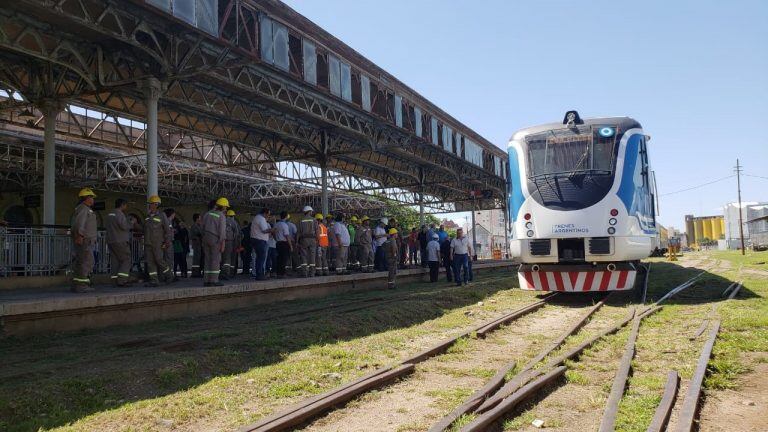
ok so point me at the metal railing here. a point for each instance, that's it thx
(46, 250)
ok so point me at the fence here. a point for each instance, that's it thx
(46, 250)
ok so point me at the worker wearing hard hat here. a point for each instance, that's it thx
(342, 240)
(321, 259)
(231, 239)
(391, 251)
(118, 228)
(158, 236)
(84, 239)
(352, 227)
(364, 240)
(214, 236)
(306, 237)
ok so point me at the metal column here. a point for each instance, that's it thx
(474, 235)
(324, 188)
(50, 111)
(421, 197)
(152, 89)
(506, 231)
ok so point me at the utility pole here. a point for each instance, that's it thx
(741, 223)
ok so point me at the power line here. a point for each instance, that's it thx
(699, 186)
(755, 176)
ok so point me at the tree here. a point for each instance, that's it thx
(408, 217)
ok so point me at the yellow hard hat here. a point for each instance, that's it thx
(319, 216)
(392, 231)
(86, 192)
(365, 218)
(230, 212)
(222, 202)
(329, 216)
(154, 199)
(353, 219)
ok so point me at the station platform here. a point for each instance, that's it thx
(29, 311)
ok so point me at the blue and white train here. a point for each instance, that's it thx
(582, 201)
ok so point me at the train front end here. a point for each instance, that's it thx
(581, 202)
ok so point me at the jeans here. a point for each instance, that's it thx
(380, 259)
(259, 260)
(271, 263)
(460, 263)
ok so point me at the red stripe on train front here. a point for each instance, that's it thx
(574, 277)
(622, 279)
(588, 281)
(529, 280)
(559, 281)
(606, 280)
(544, 281)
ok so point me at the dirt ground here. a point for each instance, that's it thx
(744, 409)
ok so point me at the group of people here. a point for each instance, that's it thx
(265, 247)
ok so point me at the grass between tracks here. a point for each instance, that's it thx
(664, 343)
(219, 372)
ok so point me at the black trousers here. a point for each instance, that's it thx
(283, 257)
(434, 269)
(424, 257)
(180, 263)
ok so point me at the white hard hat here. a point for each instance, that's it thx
(307, 209)
(384, 221)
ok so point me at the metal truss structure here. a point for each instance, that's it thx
(229, 121)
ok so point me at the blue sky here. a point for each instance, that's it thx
(694, 73)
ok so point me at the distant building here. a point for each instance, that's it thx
(493, 222)
(749, 211)
(486, 241)
(449, 224)
(703, 229)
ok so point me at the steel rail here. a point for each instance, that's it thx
(494, 385)
(735, 291)
(306, 410)
(517, 382)
(664, 410)
(482, 422)
(691, 402)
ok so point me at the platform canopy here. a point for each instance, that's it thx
(245, 98)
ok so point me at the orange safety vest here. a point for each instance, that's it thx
(322, 235)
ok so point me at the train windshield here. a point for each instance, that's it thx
(586, 150)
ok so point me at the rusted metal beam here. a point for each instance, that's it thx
(620, 380)
(691, 402)
(482, 422)
(664, 410)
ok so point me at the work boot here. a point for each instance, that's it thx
(151, 284)
(82, 288)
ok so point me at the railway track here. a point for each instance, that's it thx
(500, 395)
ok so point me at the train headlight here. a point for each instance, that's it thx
(606, 132)
(611, 230)
(528, 225)
(612, 221)
(614, 212)
(529, 233)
